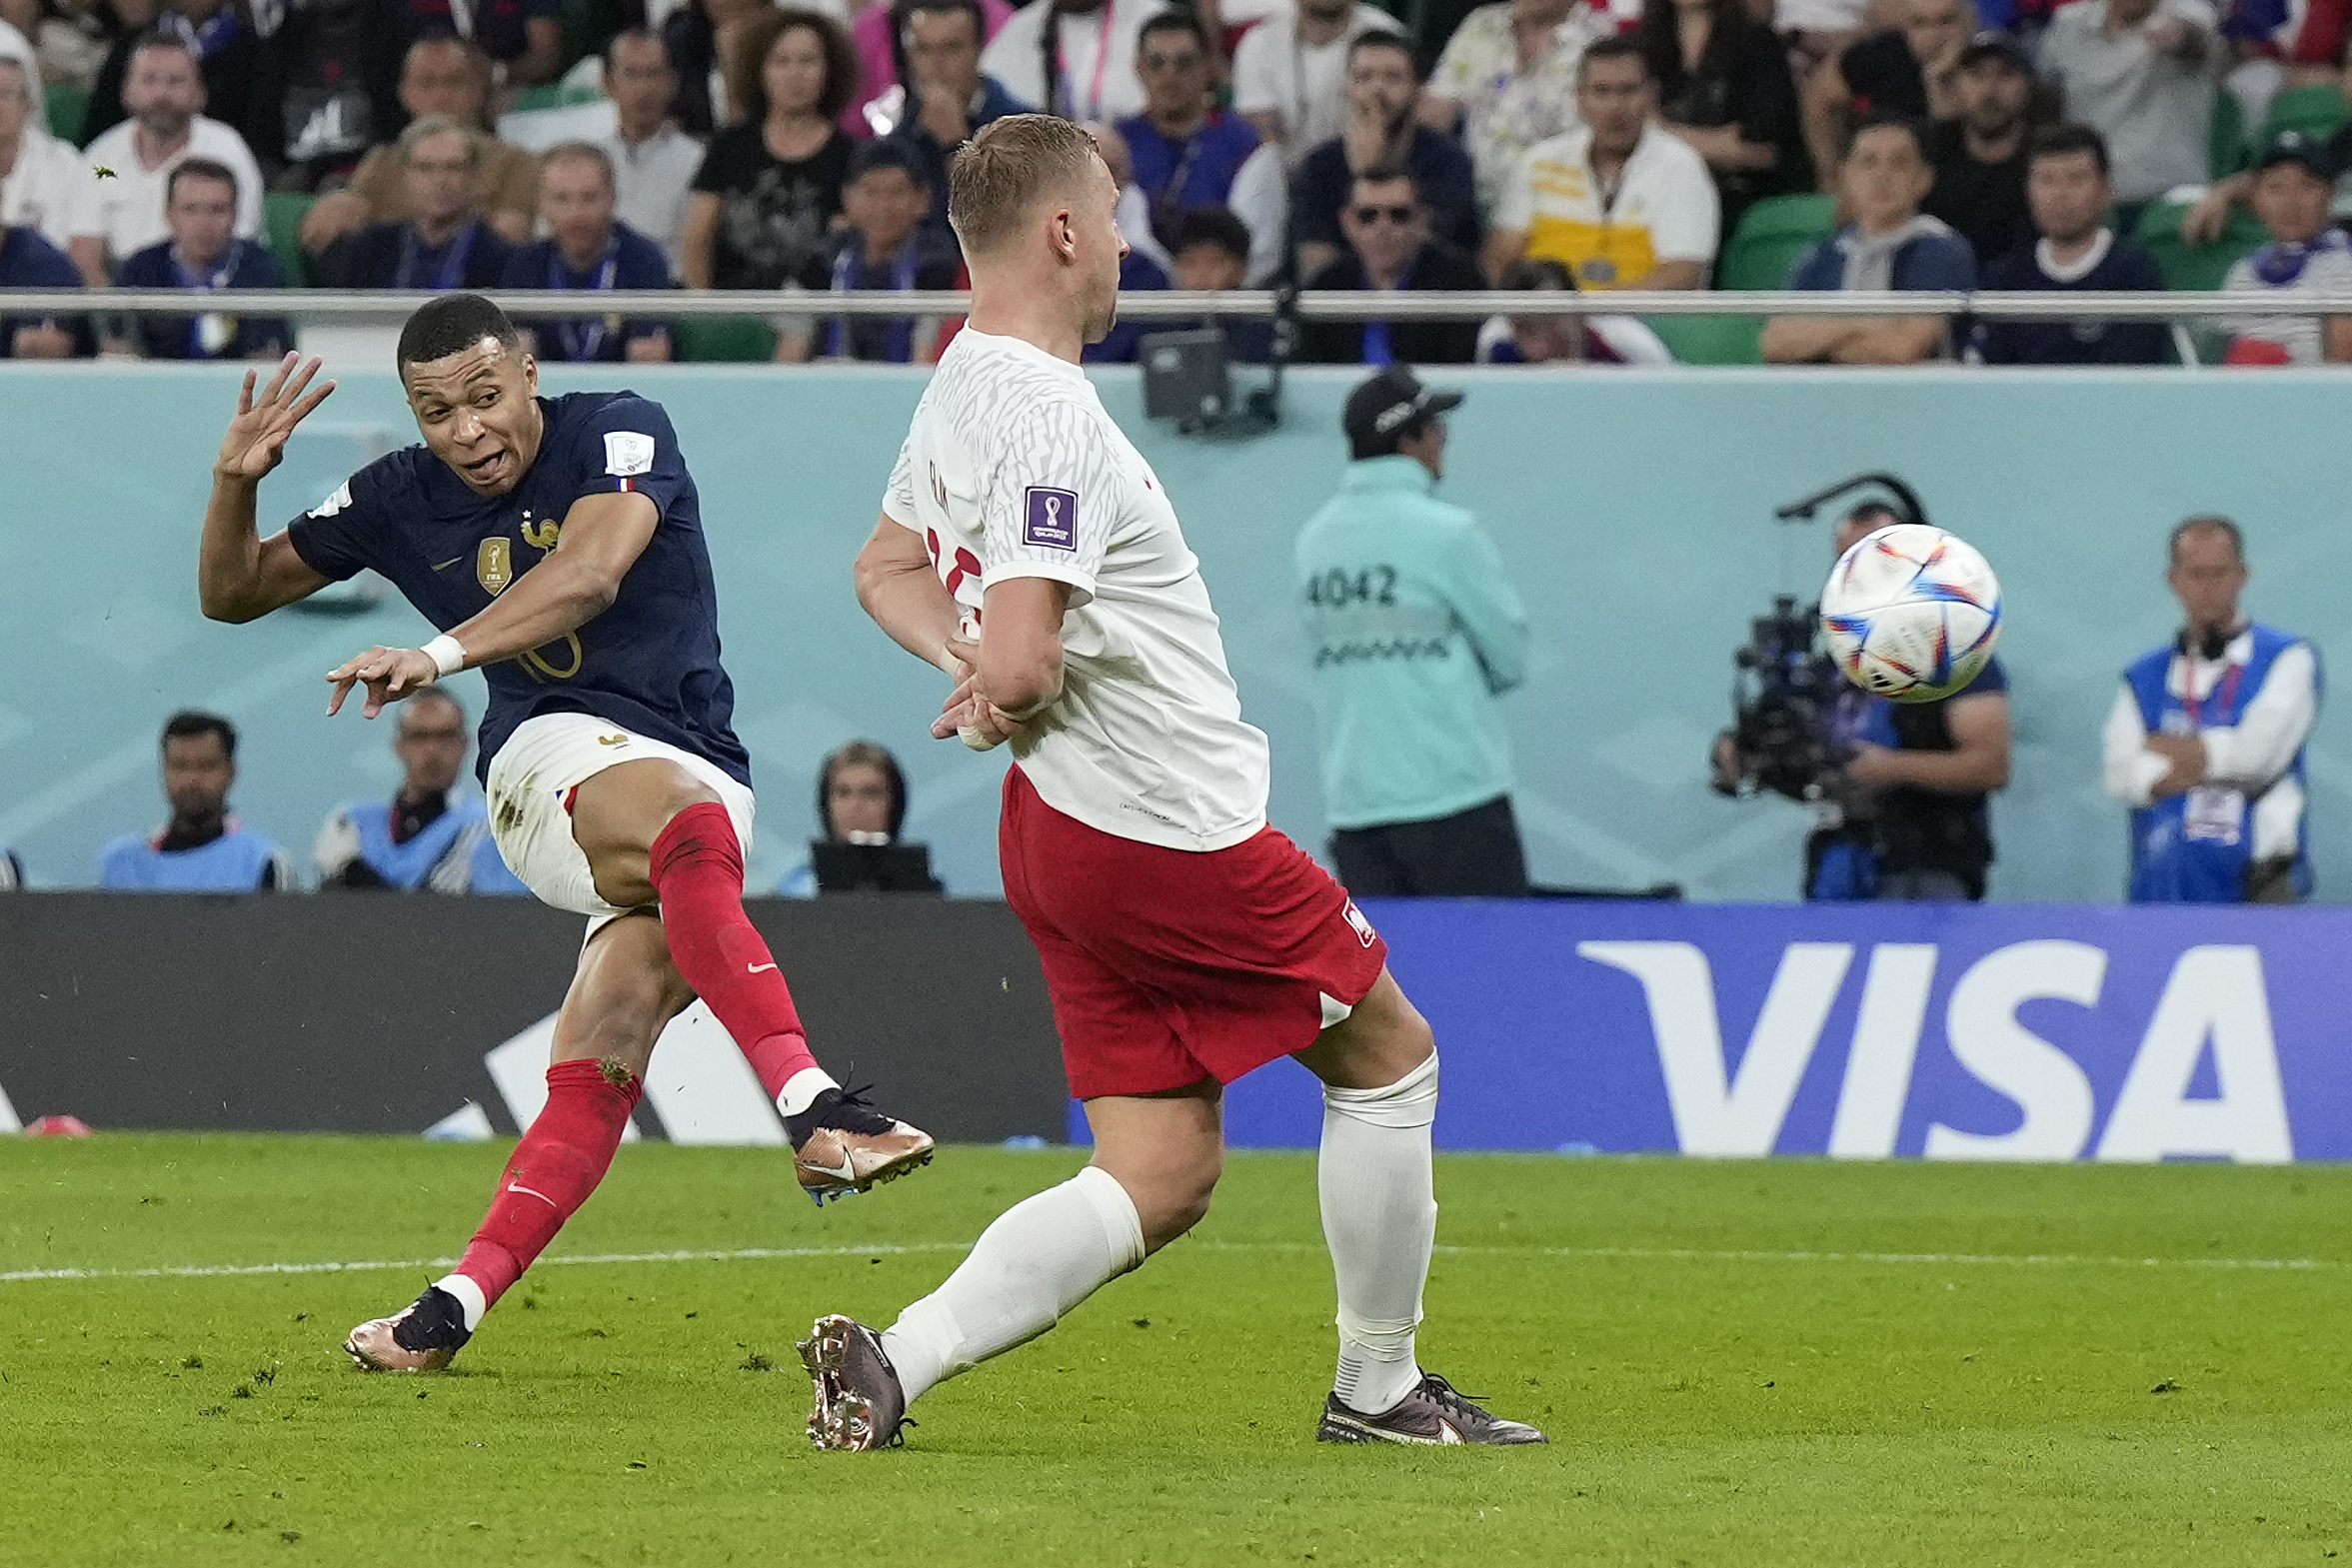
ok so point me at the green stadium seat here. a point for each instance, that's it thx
(68, 107)
(282, 213)
(2225, 148)
(1771, 235)
(1712, 340)
(723, 340)
(2196, 266)
(2318, 111)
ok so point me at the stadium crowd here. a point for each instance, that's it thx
(589, 145)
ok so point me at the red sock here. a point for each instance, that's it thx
(553, 1170)
(696, 871)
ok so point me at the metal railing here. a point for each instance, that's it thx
(365, 307)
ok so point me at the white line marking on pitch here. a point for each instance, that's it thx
(891, 1249)
(731, 1255)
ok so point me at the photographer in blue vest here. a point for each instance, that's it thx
(431, 837)
(2205, 742)
(202, 848)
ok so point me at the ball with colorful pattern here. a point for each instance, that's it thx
(1911, 613)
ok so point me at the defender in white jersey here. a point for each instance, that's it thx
(1027, 550)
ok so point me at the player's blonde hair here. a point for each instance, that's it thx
(1000, 174)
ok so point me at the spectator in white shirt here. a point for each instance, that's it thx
(1291, 73)
(1085, 68)
(2293, 189)
(44, 184)
(2206, 741)
(164, 90)
(653, 160)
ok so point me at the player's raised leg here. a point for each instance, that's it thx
(652, 830)
(623, 994)
(1156, 1160)
(1379, 1206)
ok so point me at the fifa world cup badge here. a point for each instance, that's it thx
(494, 564)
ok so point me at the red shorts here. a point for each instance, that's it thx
(1167, 966)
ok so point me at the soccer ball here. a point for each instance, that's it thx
(1911, 613)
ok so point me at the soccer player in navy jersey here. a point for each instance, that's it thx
(558, 545)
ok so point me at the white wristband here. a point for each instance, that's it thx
(447, 653)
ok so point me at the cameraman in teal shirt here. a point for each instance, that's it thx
(1416, 631)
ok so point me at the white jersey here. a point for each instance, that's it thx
(1013, 469)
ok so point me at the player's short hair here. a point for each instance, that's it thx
(426, 127)
(450, 325)
(859, 754)
(189, 722)
(1875, 515)
(198, 169)
(2057, 141)
(2206, 522)
(1006, 169)
(747, 76)
(581, 152)
(1617, 46)
(1218, 226)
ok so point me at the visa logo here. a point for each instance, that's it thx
(2213, 1000)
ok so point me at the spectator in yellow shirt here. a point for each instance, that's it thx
(1617, 201)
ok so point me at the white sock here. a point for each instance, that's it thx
(470, 1298)
(800, 1091)
(1379, 1221)
(1043, 1257)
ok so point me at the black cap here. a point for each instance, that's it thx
(1388, 404)
(1988, 45)
(2291, 146)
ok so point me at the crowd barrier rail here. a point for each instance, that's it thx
(366, 307)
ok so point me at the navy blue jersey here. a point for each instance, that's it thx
(649, 665)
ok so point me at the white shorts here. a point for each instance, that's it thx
(539, 766)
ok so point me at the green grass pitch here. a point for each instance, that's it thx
(1741, 1364)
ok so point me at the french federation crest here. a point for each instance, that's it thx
(494, 564)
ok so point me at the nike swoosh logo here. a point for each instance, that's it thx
(846, 1171)
(755, 969)
(450, 561)
(516, 1186)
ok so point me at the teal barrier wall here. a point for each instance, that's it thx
(1633, 508)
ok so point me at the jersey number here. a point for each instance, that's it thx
(1340, 588)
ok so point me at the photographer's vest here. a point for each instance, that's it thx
(1915, 830)
(2198, 847)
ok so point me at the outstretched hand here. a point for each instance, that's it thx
(256, 440)
(389, 674)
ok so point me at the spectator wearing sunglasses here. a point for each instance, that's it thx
(1185, 152)
(1389, 249)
